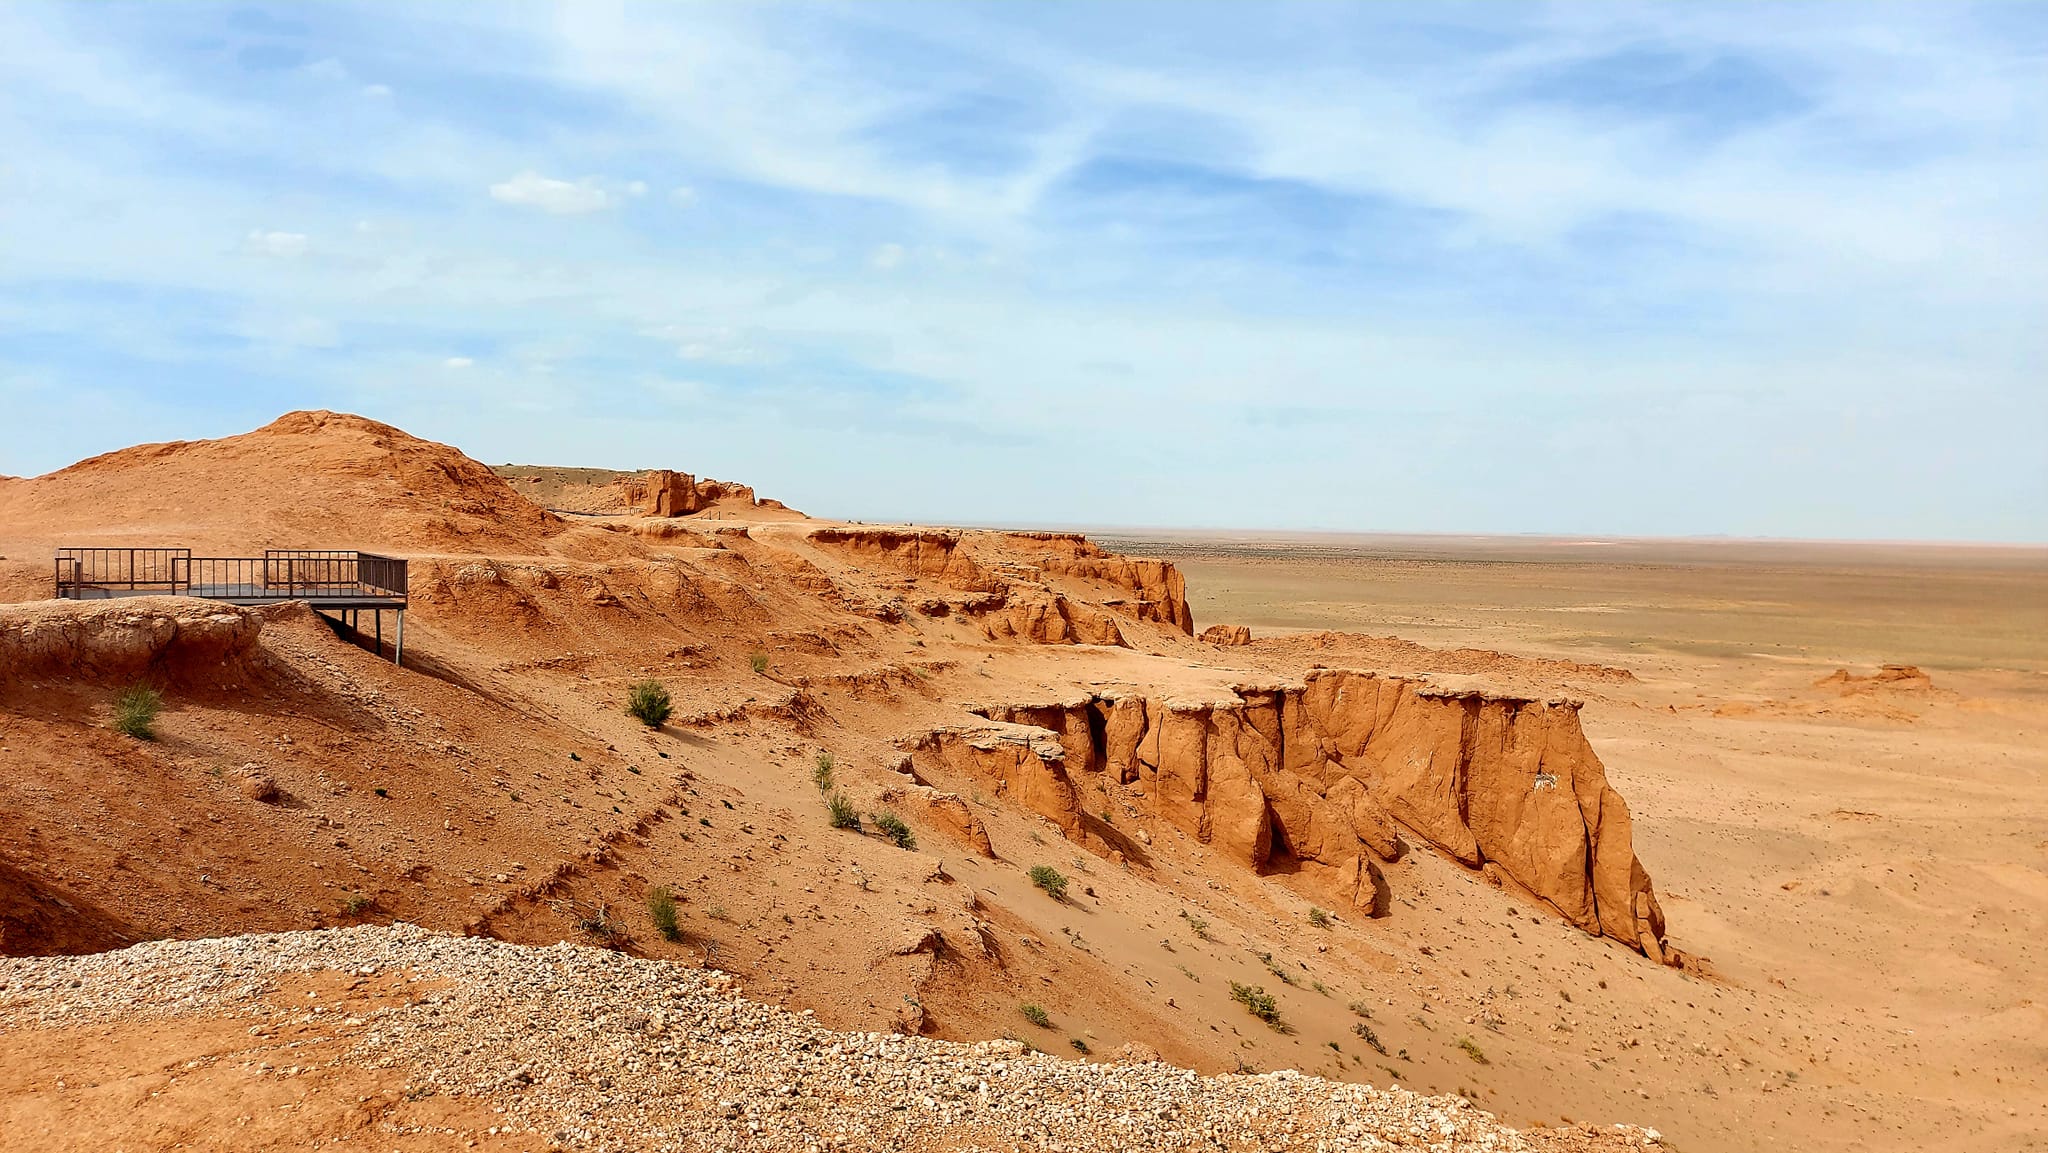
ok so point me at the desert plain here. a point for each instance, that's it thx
(1742, 842)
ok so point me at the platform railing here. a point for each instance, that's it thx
(279, 574)
(81, 571)
(387, 574)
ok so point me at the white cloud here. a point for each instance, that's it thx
(279, 244)
(637, 188)
(377, 91)
(458, 362)
(683, 196)
(562, 197)
(887, 256)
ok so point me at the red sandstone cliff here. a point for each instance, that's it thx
(1325, 773)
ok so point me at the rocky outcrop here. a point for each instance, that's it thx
(665, 492)
(952, 815)
(1051, 621)
(1228, 636)
(127, 639)
(1047, 588)
(1907, 678)
(1324, 775)
(1158, 591)
(917, 553)
(662, 492)
(1020, 762)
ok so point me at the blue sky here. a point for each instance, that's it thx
(1662, 269)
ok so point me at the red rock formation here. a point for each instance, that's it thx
(1017, 761)
(1161, 592)
(953, 816)
(1905, 677)
(128, 639)
(1324, 773)
(1008, 571)
(919, 553)
(663, 492)
(1227, 635)
(1052, 621)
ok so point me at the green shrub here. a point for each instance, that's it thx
(758, 662)
(1036, 1016)
(821, 773)
(649, 701)
(844, 815)
(1318, 918)
(356, 904)
(661, 905)
(135, 712)
(1051, 880)
(1258, 1001)
(892, 827)
(1079, 1045)
(1472, 1050)
(1366, 1034)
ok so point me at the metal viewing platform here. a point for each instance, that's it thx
(339, 584)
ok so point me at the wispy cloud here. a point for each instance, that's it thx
(1677, 268)
(562, 197)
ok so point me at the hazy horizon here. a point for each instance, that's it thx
(1630, 271)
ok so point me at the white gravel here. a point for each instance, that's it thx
(588, 1049)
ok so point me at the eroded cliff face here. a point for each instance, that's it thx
(1032, 587)
(1324, 776)
(162, 638)
(1017, 761)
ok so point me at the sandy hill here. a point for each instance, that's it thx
(307, 478)
(1414, 871)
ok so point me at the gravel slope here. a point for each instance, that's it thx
(585, 1048)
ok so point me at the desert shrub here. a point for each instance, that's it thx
(758, 662)
(649, 701)
(1036, 1016)
(356, 904)
(1274, 967)
(821, 773)
(599, 923)
(1318, 918)
(135, 712)
(1259, 1002)
(1196, 925)
(1366, 1034)
(1051, 880)
(1079, 1045)
(842, 812)
(1472, 1050)
(661, 905)
(892, 827)
(1361, 1008)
